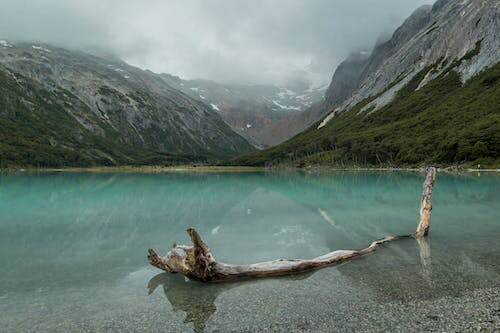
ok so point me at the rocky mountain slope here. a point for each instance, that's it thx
(435, 36)
(68, 99)
(260, 113)
(430, 94)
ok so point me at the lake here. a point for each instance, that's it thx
(73, 251)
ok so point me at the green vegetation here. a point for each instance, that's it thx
(444, 123)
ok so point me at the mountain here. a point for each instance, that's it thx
(436, 36)
(345, 79)
(260, 113)
(430, 94)
(61, 107)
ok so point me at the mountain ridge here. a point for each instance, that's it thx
(453, 47)
(119, 103)
(442, 33)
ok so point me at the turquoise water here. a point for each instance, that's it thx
(73, 247)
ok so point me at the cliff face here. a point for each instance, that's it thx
(461, 35)
(115, 101)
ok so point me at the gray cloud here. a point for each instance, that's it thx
(244, 41)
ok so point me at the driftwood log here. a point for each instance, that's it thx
(197, 262)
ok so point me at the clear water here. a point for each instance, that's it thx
(73, 247)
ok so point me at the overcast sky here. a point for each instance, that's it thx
(243, 41)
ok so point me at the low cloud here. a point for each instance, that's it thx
(242, 41)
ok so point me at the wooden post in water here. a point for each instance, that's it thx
(426, 204)
(197, 262)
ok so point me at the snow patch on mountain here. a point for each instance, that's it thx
(285, 92)
(40, 48)
(5, 44)
(287, 107)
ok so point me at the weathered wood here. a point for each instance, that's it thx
(425, 204)
(197, 262)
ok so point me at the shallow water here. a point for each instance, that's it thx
(73, 247)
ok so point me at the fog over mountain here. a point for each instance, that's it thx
(261, 41)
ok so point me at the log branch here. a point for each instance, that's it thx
(197, 262)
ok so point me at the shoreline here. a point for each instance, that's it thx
(139, 169)
(224, 169)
